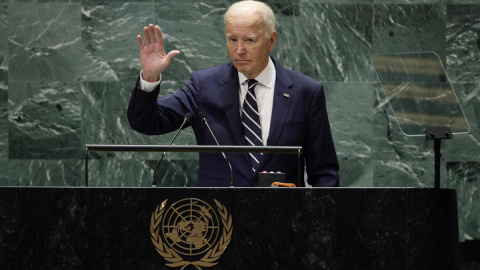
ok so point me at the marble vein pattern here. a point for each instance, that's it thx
(463, 43)
(43, 41)
(44, 120)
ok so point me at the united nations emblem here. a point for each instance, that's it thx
(190, 232)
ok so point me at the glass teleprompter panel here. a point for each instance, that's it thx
(419, 92)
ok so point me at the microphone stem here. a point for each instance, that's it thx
(231, 170)
(213, 135)
(154, 181)
(224, 156)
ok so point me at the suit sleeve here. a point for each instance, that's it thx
(152, 116)
(320, 156)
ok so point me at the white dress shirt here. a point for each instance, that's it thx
(264, 91)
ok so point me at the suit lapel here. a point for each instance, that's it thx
(282, 100)
(229, 92)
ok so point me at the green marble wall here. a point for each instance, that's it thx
(71, 66)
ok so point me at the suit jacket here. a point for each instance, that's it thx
(299, 118)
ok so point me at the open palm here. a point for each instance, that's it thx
(153, 57)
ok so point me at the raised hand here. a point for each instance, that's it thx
(152, 53)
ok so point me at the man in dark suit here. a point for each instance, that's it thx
(251, 101)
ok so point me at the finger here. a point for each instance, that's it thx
(159, 34)
(171, 55)
(145, 35)
(140, 42)
(151, 34)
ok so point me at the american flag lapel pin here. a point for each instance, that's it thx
(286, 95)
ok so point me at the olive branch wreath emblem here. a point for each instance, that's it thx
(173, 258)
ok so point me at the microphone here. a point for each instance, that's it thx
(204, 120)
(186, 118)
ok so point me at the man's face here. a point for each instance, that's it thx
(248, 46)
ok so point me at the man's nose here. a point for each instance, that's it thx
(241, 47)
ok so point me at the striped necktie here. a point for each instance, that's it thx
(251, 122)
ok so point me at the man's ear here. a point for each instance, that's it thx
(273, 40)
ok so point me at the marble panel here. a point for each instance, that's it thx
(416, 2)
(37, 172)
(338, 1)
(197, 30)
(463, 42)
(3, 121)
(45, 1)
(406, 172)
(466, 147)
(399, 161)
(4, 40)
(105, 120)
(139, 173)
(44, 41)
(44, 120)
(464, 177)
(3, 172)
(462, 2)
(109, 43)
(352, 130)
(410, 28)
(82, 1)
(334, 41)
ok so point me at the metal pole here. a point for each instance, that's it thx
(197, 148)
(86, 166)
(300, 168)
(438, 155)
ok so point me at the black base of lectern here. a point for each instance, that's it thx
(284, 228)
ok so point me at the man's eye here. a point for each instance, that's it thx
(250, 40)
(233, 39)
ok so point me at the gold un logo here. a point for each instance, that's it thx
(190, 232)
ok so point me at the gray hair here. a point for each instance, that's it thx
(251, 6)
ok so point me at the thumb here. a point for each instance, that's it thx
(171, 55)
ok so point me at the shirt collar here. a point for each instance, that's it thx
(265, 78)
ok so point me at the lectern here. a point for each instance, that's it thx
(225, 228)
